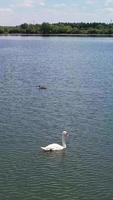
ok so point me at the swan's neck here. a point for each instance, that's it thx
(63, 141)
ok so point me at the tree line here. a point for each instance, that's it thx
(59, 28)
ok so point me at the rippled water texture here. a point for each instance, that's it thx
(78, 73)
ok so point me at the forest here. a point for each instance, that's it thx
(59, 28)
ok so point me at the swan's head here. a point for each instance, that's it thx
(65, 133)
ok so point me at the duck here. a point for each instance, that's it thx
(42, 87)
(55, 146)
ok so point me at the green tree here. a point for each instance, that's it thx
(45, 28)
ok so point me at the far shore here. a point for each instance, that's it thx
(59, 35)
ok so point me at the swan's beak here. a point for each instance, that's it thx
(67, 134)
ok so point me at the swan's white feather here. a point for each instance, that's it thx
(53, 147)
(56, 147)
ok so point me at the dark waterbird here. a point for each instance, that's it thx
(41, 87)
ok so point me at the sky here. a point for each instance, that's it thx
(16, 12)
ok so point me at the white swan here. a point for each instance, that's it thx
(56, 147)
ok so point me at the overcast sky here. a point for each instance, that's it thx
(15, 12)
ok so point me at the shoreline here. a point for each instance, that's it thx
(59, 35)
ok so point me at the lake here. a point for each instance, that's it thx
(78, 74)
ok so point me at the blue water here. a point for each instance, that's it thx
(78, 73)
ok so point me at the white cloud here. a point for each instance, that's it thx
(91, 2)
(5, 10)
(42, 3)
(109, 10)
(28, 4)
(6, 14)
(109, 3)
(59, 5)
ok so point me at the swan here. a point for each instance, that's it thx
(57, 147)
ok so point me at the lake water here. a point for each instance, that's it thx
(78, 73)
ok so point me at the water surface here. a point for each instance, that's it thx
(78, 73)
